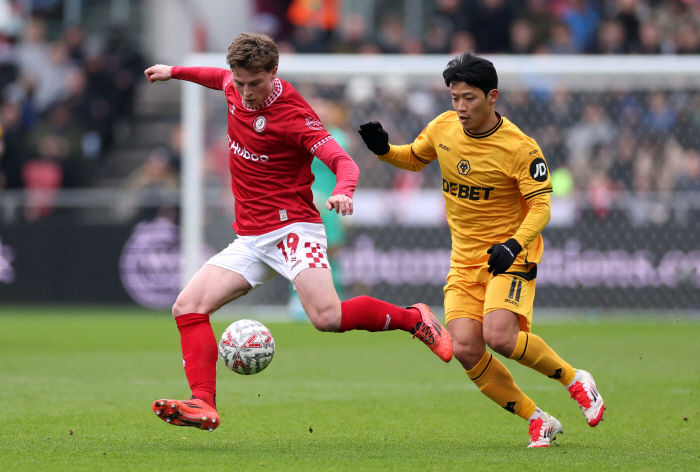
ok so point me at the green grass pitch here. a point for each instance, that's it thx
(76, 387)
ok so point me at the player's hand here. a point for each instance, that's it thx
(503, 255)
(340, 203)
(158, 72)
(374, 136)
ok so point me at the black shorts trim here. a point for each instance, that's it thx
(527, 276)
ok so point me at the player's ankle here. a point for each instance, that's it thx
(208, 397)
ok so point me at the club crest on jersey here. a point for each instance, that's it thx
(313, 123)
(259, 123)
(463, 167)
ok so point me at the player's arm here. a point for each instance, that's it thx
(407, 157)
(210, 77)
(346, 175)
(531, 172)
(538, 215)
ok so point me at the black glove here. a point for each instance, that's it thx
(503, 255)
(374, 136)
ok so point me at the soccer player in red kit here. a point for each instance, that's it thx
(273, 136)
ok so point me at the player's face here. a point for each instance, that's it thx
(254, 88)
(475, 110)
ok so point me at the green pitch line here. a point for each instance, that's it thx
(77, 386)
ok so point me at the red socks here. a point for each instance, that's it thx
(370, 314)
(200, 352)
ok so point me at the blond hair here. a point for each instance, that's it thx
(253, 52)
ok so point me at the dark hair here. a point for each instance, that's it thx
(253, 52)
(472, 70)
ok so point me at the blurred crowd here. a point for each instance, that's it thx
(62, 98)
(604, 145)
(487, 26)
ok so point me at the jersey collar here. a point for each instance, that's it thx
(270, 100)
(487, 133)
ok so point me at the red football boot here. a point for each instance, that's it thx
(432, 333)
(193, 412)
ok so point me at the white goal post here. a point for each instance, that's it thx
(576, 72)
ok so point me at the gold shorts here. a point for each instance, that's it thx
(471, 292)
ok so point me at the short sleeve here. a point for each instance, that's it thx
(531, 171)
(306, 131)
(422, 147)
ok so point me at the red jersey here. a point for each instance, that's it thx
(271, 148)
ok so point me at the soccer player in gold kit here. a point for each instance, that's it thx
(497, 195)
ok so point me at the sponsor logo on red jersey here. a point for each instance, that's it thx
(313, 123)
(259, 123)
(239, 150)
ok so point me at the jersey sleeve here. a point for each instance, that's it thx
(532, 175)
(423, 148)
(305, 131)
(341, 164)
(530, 170)
(538, 215)
(210, 77)
(416, 156)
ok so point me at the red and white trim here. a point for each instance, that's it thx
(320, 143)
(270, 100)
(315, 256)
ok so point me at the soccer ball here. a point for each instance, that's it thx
(247, 347)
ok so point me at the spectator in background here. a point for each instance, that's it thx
(687, 40)
(313, 23)
(353, 33)
(444, 23)
(656, 164)
(491, 25)
(74, 39)
(582, 17)
(622, 169)
(610, 38)
(124, 64)
(44, 67)
(148, 187)
(650, 38)
(391, 35)
(628, 18)
(537, 13)
(522, 37)
(561, 41)
(58, 138)
(673, 15)
(277, 9)
(688, 179)
(12, 152)
(660, 117)
(593, 130)
(462, 41)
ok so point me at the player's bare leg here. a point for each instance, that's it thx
(326, 312)
(319, 298)
(210, 289)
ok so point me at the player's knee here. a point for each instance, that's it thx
(326, 320)
(468, 355)
(184, 305)
(502, 343)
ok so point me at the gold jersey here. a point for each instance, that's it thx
(487, 181)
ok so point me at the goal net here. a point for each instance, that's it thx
(621, 135)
